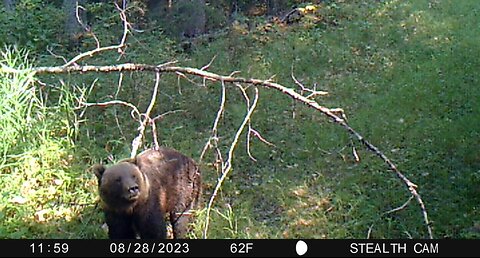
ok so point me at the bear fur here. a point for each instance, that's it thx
(138, 193)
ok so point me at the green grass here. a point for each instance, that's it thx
(404, 72)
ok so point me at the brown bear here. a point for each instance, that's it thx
(137, 194)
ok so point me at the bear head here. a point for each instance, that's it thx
(121, 186)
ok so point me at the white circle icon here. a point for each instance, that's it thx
(301, 247)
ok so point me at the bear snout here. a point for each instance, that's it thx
(133, 192)
(134, 189)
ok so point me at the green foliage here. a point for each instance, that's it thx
(17, 98)
(216, 18)
(34, 25)
(404, 72)
(45, 192)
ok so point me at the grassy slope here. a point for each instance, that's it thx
(405, 73)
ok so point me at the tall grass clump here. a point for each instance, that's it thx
(17, 99)
(44, 190)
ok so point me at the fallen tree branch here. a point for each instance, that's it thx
(166, 68)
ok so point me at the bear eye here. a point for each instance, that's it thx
(118, 179)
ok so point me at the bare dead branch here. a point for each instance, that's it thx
(228, 164)
(179, 86)
(408, 234)
(369, 231)
(109, 103)
(401, 207)
(248, 142)
(251, 131)
(117, 121)
(355, 154)
(113, 102)
(260, 137)
(120, 80)
(339, 112)
(205, 67)
(156, 146)
(161, 116)
(91, 53)
(154, 126)
(50, 51)
(137, 142)
(313, 92)
(126, 24)
(233, 73)
(83, 98)
(98, 49)
(213, 140)
(181, 75)
(85, 27)
(168, 63)
(247, 102)
(154, 95)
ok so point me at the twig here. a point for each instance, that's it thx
(408, 234)
(313, 92)
(248, 142)
(247, 101)
(179, 86)
(369, 231)
(168, 63)
(234, 73)
(260, 137)
(112, 102)
(214, 136)
(101, 49)
(399, 208)
(137, 142)
(154, 95)
(126, 25)
(250, 128)
(120, 80)
(205, 67)
(161, 116)
(156, 146)
(55, 55)
(228, 164)
(154, 126)
(181, 75)
(85, 27)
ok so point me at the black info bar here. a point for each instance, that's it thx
(239, 248)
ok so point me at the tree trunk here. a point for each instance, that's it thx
(73, 29)
(9, 5)
(193, 17)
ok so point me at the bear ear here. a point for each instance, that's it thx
(98, 170)
(130, 160)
